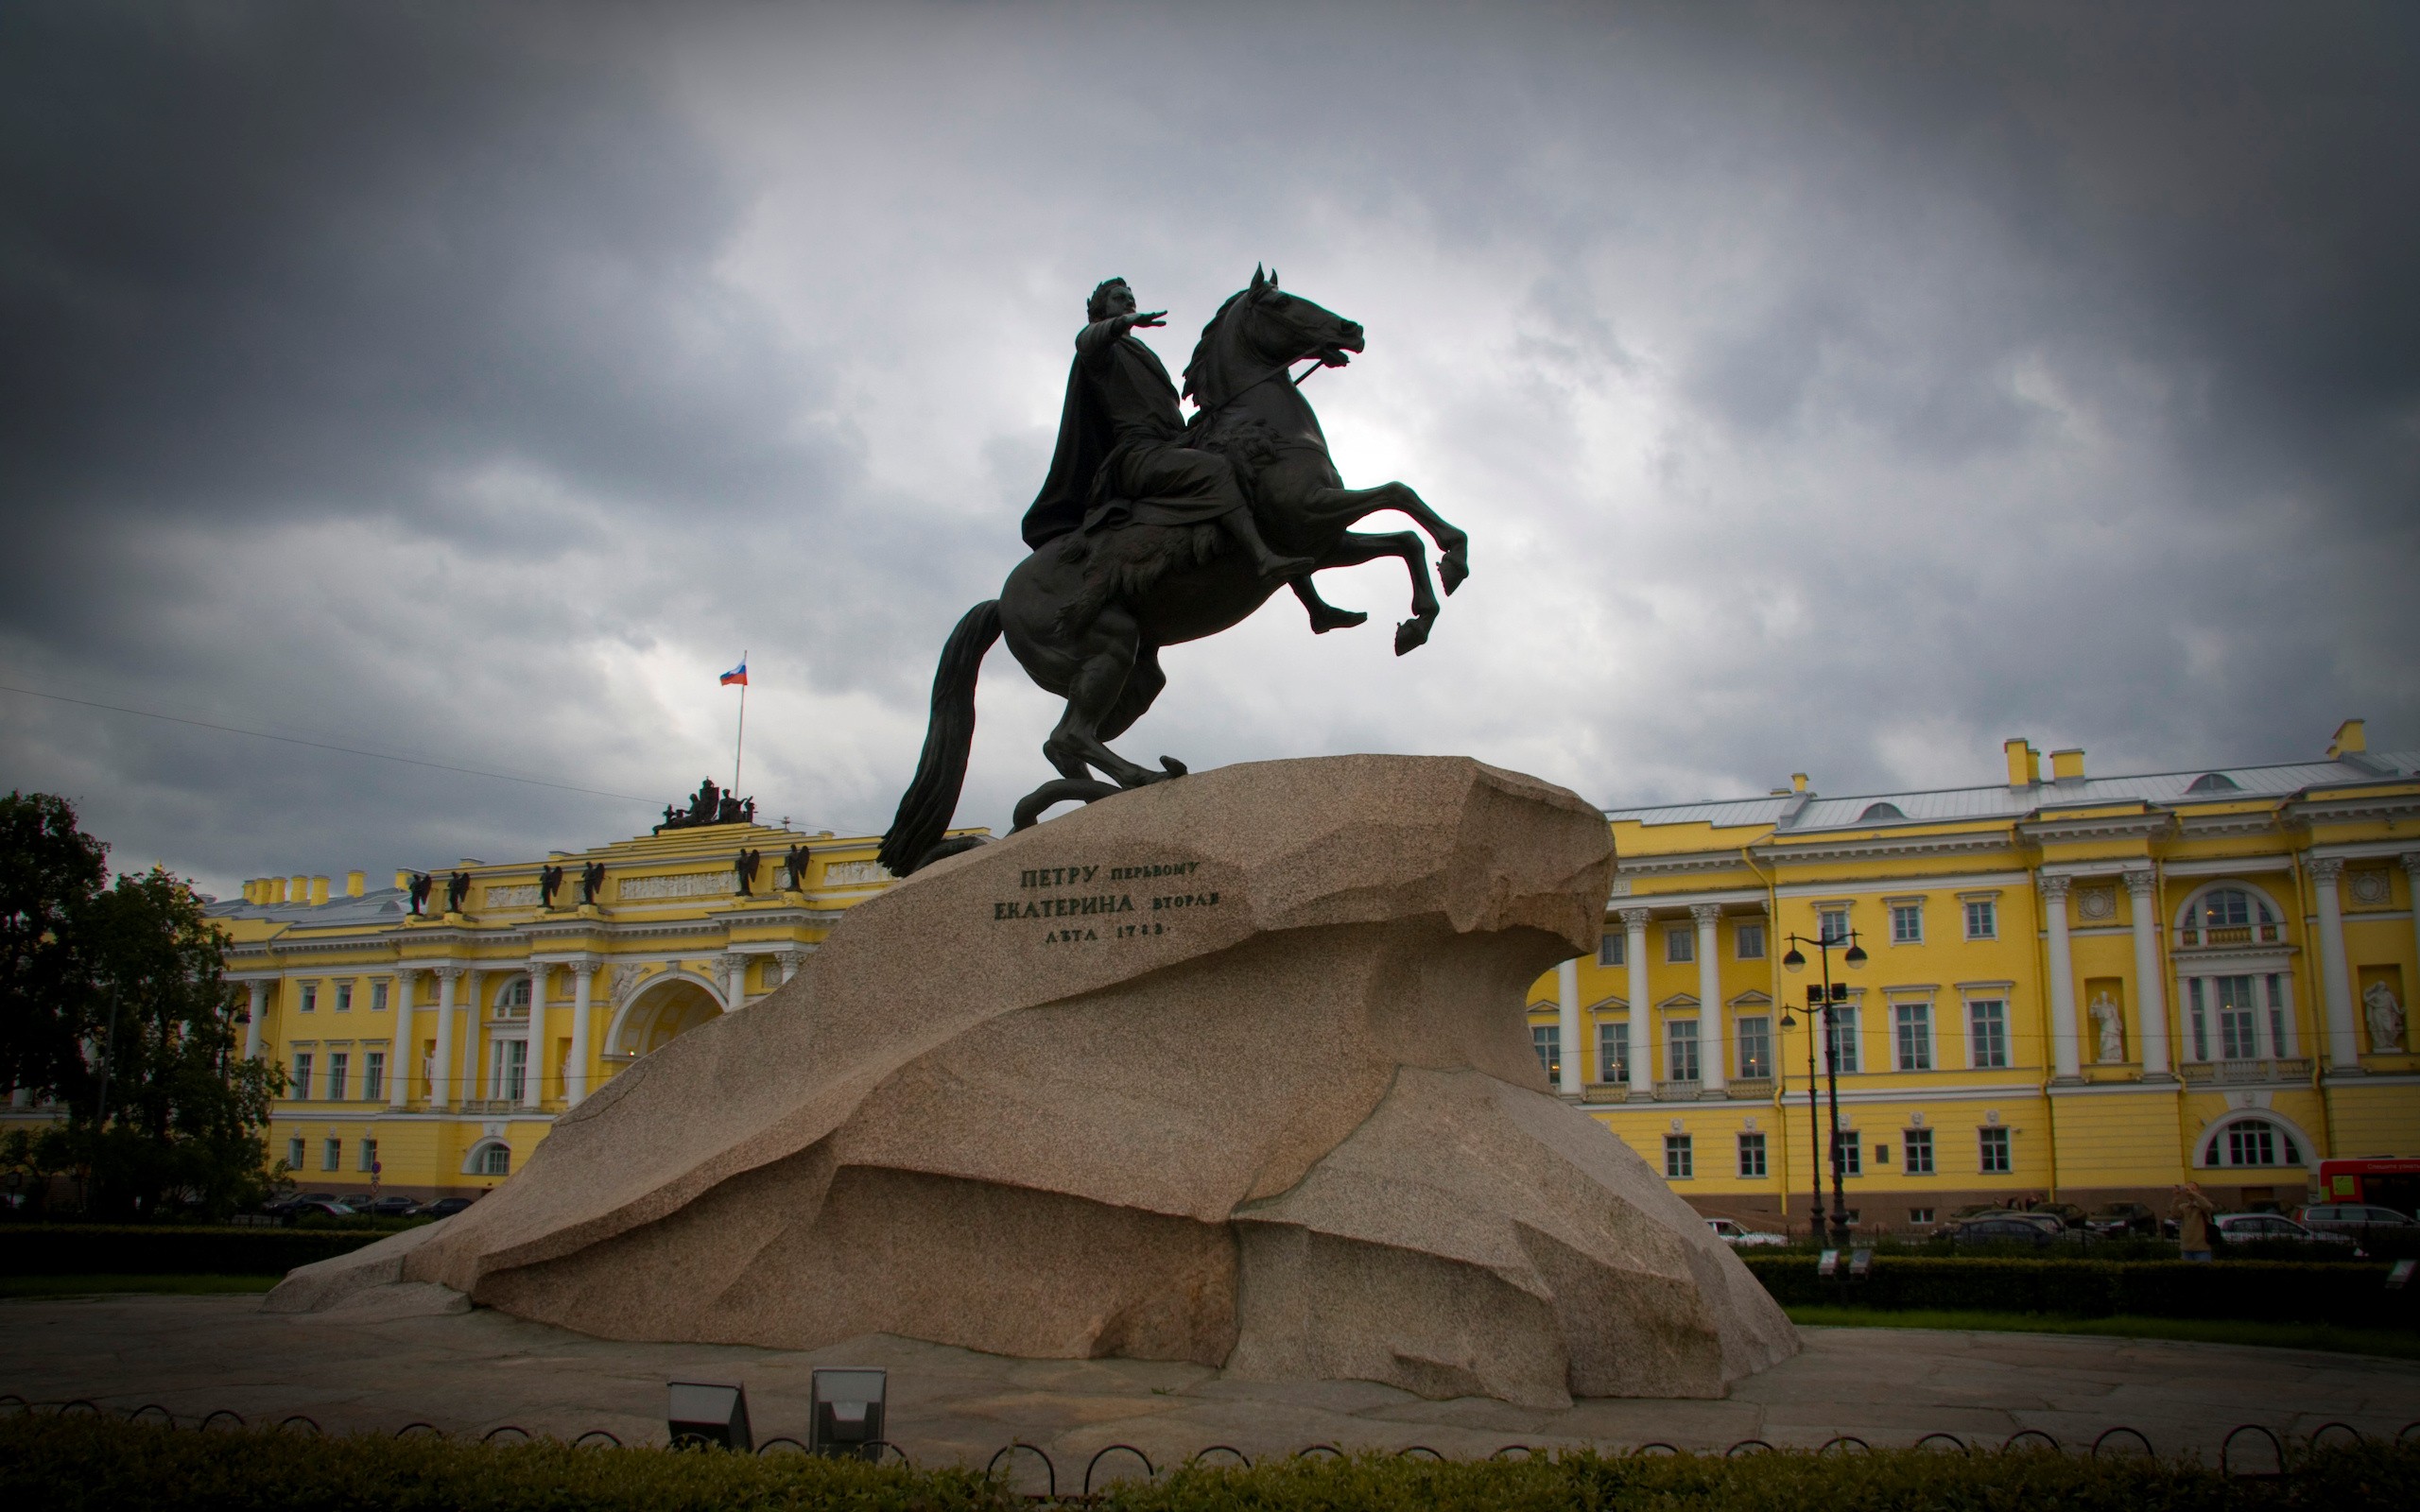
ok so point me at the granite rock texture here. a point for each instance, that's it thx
(1231, 1070)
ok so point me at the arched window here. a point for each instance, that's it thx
(2229, 915)
(2212, 783)
(2250, 1142)
(489, 1157)
(1881, 811)
(514, 1001)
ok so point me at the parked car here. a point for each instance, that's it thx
(2069, 1215)
(2356, 1221)
(390, 1208)
(2005, 1229)
(445, 1206)
(2120, 1219)
(283, 1207)
(316, 1207)
(1739, 1236)
(2247, 1228)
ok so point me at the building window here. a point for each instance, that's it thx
(1613, 1051)
(1841, 1050)
(369, 1155)
(294, 1153)
(373, 1075)
(509, 1069)
(1832, 924)
(1987, 1033)
(1752, 1155)
(332, 1155)
(2238, 1019)
(2197, 1021)
(1911, 1033)
(514, 1001)
(1755, 1036)
(496, 1159)
(1982, 918)
(1907, 923)
(1612, 949)
(339, 1064)
(1994, 1148)
(1750, 939)
(1848, 1152)
(1919, 1216)
(1681, 1050)
(1680, 943)
(2251, 1142)
(1679, 1161)
(2230, 916)
(1916, 1145)
(302, 1078)
(1546, 1039)
(344, 997)
(377, 997)
(310, 997)
(2281, 1023)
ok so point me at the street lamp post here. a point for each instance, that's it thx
(1826, 995)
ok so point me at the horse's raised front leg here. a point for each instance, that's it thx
(1325, 615)
(1358, 547)
(1107, 660)
(1343, 507)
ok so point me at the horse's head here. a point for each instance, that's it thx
(1260, 328)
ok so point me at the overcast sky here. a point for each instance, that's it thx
(1824, 387)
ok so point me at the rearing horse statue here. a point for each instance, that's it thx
(1086, 613)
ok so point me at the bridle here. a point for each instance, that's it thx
(1202, 416)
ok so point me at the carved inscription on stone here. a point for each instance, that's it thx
(523, 896)
(1078, 905)
(681, 884)
(851, 873)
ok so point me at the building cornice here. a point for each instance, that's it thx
(1780, 852)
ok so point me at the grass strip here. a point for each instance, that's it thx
(86, 1463)
(2333, 1337)
(115, 1285)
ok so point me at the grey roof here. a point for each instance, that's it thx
(2001, 801)
(385, 905)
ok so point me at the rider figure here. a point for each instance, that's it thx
(1122, 457)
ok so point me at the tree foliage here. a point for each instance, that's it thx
(116, 1008)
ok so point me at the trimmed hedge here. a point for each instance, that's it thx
(87, 1464)
(134, 1249)
(2260, 1290)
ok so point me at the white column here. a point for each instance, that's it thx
(1642, 1016)
(791, 961)
(2150, 985)
(2064, 1060)
(734, 976)
(533, 1065)
(259, 1010)
(2411, 891)
(441, 1070)
(584, 976)
(2343, 1049)
(1566, 1001)
(404, 1043)
(1712, 1042)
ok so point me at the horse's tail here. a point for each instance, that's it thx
(926, 808)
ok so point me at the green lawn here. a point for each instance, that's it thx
(2394, 1342)
(103, 1286)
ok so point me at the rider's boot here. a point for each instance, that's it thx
(1271, 567)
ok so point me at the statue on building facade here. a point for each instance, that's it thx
(2379, 1005)
(1151, 530)
(458, 888)
(421, 883)
(794, 867)
(592, 882)
(710, 804)
(2110, 1024)
(744, 867)
(550, 882)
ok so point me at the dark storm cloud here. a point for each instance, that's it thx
(1826, 387)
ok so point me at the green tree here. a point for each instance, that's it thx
(161, 1106)
(50, 872)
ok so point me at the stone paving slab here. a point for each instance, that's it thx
(468, 1373)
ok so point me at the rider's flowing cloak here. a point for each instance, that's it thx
(1099, 479)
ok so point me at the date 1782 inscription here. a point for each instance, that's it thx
(1104, 915)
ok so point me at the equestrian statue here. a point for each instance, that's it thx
(1151, 530)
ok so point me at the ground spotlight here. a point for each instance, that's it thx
(699, 1413)
(848, 1413)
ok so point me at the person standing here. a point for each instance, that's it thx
(2192, 1213)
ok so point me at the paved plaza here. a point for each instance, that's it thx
(470, 1372)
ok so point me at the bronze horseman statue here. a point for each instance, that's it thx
(1151, 531)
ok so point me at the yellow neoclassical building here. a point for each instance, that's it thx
(429, 1052)
(2083, 988)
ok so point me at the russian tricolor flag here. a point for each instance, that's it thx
(737, 674)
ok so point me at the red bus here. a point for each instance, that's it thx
(2390, 1181)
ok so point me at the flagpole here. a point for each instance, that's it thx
(740, 745)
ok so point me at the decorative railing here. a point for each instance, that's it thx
(1751, 1086)
(2225, 934)
(1607, 1091)
(1671, 1091)
(2283, 1068)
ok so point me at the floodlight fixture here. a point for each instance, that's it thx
(847, 1412)
(702, 1414)
(1794, 961)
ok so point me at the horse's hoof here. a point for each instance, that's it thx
(1342, 619)
(1174, 768)
(1452, 568)
(1410, 634)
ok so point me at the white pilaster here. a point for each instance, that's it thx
(440, 1069)
(2411, 892)
(1642, 1016)
(1712, 1044)
(2150, 983)
(735, 978)
(533, 1066)
(404, 1043)
(2343, 1049)
(1566, 1003)
(252, 1027)
(2066, 1064)
(584, 977)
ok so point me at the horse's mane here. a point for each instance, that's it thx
(1197, 370)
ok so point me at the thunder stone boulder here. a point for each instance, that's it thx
(1232, 1069)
